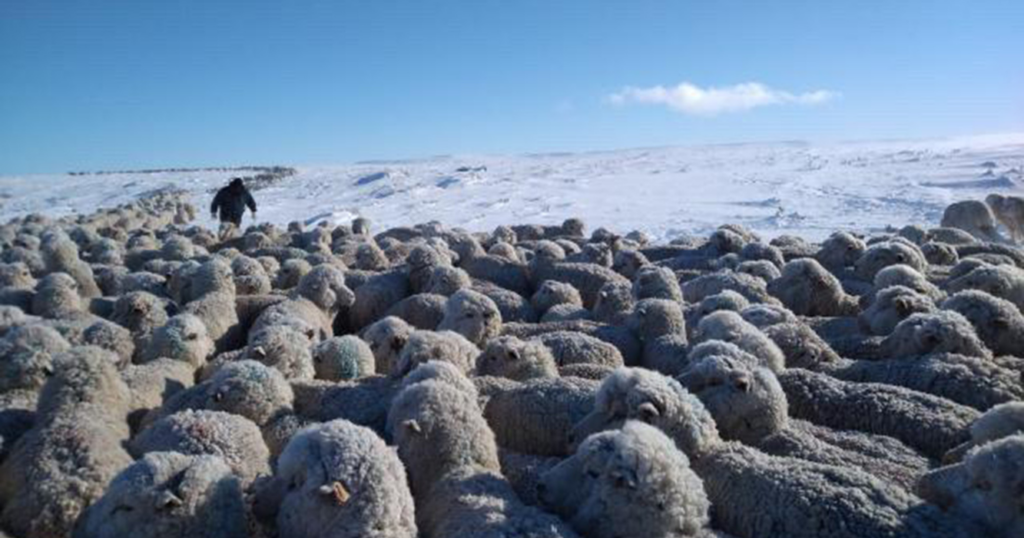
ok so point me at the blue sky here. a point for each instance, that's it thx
(112, 84)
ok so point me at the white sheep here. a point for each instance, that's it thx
(808, 289)
(343, 357)
(730, 327)
(935, 332)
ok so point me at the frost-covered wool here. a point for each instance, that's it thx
(63, 464)
(928, 423)
(56, 297)
(511, 275)
(891, 306)
(444, 372)
(997, 322)
(808, 289)
(364, 401)
(904, 275)
(1003, 281)
(247, 388)
(378, 294)
(476, 502)
(764, 315)
(339, 480)
(621, 337)
(283, 348)
(472, 315)
(565, 312)
(169, 495)
(504, 250)
(730, 327)
(749, 286)
(942, 331)
(26, 356)
(250, 276)
(802, 346)
(370, 257)
(182, 338)
(841, 249)
(524, 471)
(551, 293)
(894, 252)
(297, 314)
(153, 382)
(386, 338)
(763, 269)
(343, 357)
(325, 287)
(984, 488)
(12, 317)
(423, 346)
(422, 310)
(653, 282)
(658, 400)
(570, 347)
(60, 254)
(237, 440)
(439, 428)
(213, 276)
(727, 300)
(634, 482)
(972, 381)
(512, 306)
(1000, 421)
(666, 354)
(30, 258)
(536, 416)
(508, 356)
(595, 253)
(614, 303)
(217, 311)
(446, 280)
(587, 278)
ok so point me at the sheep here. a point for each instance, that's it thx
(802, 346)
(906, 276)
(622, 338)
(652, 318)
(941, 331)
(656, 283)
(235, 439)
(292, 271)
(570, 347)
(893, 252)
(16, 275)
(386, 338)
(439, 428)
(764, 315)
(283, 348)
(508, 356)
(213, 276)
(587, 278)
(12, 317)
(343, 357)
(763, 269)
(167, 495)
(250, 276)
(808, 289)
(565, 312)
(376, 296)
(445, 280)
(927, 423)
(628, 262)
(60, 254)
(1000, 421)
(628, 482)
(952, 236)
(26, 357)
(997, 322)
(749, 406)
(1009, 211)
(423, 310)
(63, 464)
(141, 313)
(840, 250)
(1004, 282)
(182, 338)
(804, 499)
(614, 303)
(444, 372)
(974, 217)
(749, 286)
(937, 253)
(472, 315)
(246, 388)
(984, 488)
(153, 382)
(551, 293)
(217, 311)
(423, 346)
(56, 297)
(339, 472)
(364, 401)
(730, 327)
(726, 300)
(891, 306)
(472, 501)
(511, 275)
(524, 471)
(512, 306)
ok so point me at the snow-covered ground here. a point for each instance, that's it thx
(805, 189)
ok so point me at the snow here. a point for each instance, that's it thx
(774, 188)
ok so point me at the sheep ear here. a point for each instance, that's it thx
(412, 426)
(902, 306)
(624, 478)
(648, 411)
(1000, 323)
(259, 352)
(168, 500)
(742, 384)
(513, 354)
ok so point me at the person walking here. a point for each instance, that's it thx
(231, 202)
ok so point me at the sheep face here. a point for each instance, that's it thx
(473, 315)
(987, 487)
(387, 337)
(747, 403)
(513, 358)
(627, 483)
(249, 389)
(325, 287)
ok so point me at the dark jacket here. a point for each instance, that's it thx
(232, 201)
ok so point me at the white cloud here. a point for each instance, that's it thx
(692, 99)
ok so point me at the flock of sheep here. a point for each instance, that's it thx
(536, 381)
